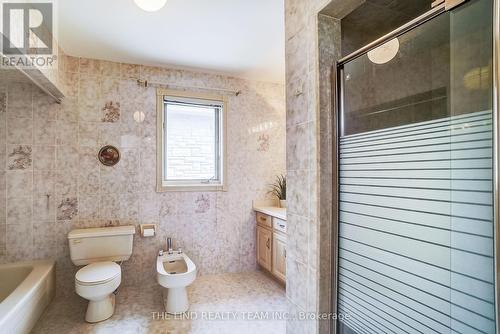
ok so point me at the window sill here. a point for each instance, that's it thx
(190, 188)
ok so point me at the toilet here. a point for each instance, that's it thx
(175, 271)
(98, 249)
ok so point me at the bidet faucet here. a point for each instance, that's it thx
(169, 246)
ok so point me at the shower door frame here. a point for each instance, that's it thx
(496, 152)
(338, 102)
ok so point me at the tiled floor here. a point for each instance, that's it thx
(239, 298)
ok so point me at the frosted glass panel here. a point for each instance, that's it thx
(472, 295)
(416, 247)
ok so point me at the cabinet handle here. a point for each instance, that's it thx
(284, 253)
(281, 225)
(267, 243)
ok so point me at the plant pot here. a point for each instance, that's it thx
(283, 203)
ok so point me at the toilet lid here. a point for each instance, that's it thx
(98, 272)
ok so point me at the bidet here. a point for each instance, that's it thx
(174, 273)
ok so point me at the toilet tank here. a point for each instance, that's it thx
(91, 245)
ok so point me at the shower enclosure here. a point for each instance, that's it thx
(417, 166)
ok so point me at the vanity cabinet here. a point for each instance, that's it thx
(279, 256)
(264, 251)
(271, 245)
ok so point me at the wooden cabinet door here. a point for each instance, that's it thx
(279, 256)
(264, 242)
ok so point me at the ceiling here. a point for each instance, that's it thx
(235, 37)
(375, 18)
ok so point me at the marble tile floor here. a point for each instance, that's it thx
(245, 300)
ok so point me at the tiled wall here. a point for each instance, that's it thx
(312, 46)
(51, 181)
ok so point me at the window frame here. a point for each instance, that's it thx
(162, 185)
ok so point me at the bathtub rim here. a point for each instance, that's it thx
(11, 304)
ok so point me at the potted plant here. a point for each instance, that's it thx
(278, 189)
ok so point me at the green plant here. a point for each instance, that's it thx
(278, 188)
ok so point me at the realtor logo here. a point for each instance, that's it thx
(27, 28)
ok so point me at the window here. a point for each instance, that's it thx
(191, 145)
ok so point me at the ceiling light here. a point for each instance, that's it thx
(150, 5)
(384, 53)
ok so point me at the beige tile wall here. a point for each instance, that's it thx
(312, 47)
(51, 181)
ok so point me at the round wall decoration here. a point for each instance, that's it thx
(109, 155)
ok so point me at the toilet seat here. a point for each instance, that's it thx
(98, 273)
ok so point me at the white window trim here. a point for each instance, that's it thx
(161, 185)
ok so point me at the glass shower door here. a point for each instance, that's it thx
(416, 229)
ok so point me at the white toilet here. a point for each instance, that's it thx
(175, 272)
(98, 249)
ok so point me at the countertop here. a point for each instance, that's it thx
(273, 211)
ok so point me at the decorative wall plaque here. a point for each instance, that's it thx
(109, 155)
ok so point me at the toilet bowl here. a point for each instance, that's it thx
(96, 282)
(175, 272)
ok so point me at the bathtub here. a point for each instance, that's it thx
(26, 288)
